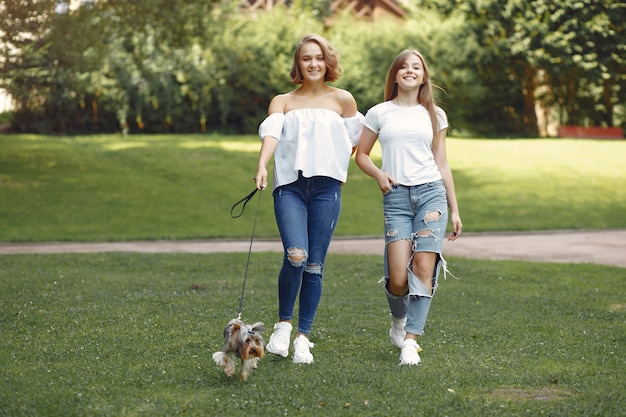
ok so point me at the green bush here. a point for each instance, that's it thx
(150, 67)
(6, 117)
(224, 79)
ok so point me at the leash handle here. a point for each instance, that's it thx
(244, 201)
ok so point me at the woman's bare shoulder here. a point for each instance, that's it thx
(279, 103)
(342, 94)
(346, 101)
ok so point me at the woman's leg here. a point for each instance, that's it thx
(291, 217)
(396, 288)
(291, 213)
(421, 292)
(324, 208)
(398, 255)
(423, 270)
(398, 215)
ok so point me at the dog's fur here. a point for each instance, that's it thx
(242, 341)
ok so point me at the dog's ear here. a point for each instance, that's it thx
(258, 327)
(230, 329)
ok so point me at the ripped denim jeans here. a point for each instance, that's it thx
(419, 214)
(306, 212)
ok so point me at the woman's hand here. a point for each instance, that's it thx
(385, 182)
(260, 179)
(457, 226)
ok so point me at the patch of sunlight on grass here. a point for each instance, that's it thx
(120, 146)
(241, 146)
(538, 159)
(32, 136)
(110, 139)
(223, 144)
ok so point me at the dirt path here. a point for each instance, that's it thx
(607, 247)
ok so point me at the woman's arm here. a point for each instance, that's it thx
(363, 160)
(269, 144)
(441, 159)
(268, 148)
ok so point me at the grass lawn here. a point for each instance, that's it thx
(110, 187)
(132, 334)
(127, 335)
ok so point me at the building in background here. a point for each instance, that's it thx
(362, 9)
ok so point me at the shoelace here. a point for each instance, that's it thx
(306, 342)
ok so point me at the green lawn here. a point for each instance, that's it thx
(92, 188)
(126, 335)
(132, 334)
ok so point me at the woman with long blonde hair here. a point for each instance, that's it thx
(418, 189)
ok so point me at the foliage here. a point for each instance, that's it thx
(565, 58)
(6, 117)
(584, 64)
(132, 334)
(253, 68)
(151, 66)
(115, 188)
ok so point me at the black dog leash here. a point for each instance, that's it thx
(245, 201)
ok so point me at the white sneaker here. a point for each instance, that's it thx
(279, 340)
(396, 332)
(408, 354)
(301, 353)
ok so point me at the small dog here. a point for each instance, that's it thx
(244, 342)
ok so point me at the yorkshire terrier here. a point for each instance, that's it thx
(243, 341)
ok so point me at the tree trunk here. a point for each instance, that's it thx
(528, 89)
(608, 117)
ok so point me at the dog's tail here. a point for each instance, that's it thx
(218, 357)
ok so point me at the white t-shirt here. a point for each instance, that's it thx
(406, 138)
(316, 141)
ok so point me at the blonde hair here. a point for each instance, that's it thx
(425, 92)
(331, 57)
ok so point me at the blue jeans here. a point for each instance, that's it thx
(420, 214)
(307, 212)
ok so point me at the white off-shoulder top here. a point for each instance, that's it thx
(316, 141)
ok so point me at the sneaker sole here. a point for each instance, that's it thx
(282, 353)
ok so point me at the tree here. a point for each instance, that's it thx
(579, 47)
(24, 49)
(544, 54)
(153, 66)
